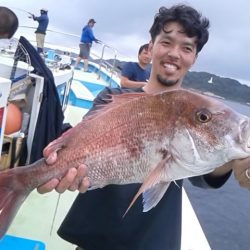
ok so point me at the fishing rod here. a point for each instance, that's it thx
(59, 32)
(22, 10)
(52, 31)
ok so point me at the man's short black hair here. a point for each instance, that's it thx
(8, 22)
(192, 21)
(143, 47)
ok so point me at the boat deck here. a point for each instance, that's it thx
(35, 218)
(34, 221)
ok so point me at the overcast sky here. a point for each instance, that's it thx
(125, 25)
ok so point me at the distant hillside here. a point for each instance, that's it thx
(225, 87)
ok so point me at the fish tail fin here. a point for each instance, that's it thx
(12, 195)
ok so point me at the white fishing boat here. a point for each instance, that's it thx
(36, 224)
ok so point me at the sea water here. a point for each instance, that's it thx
(224, 213)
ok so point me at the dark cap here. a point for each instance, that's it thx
(44, 10)
(91, 20)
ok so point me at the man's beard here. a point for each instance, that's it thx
(166, 82)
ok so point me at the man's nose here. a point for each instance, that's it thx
(174, 52)
(148, 55)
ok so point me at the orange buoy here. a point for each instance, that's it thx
(13, 119)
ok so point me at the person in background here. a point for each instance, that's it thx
(95, 220)
(8, 23)
(136, 74)
(43, 22)
(87, 38)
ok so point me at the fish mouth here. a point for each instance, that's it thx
(248, 143)
(245, 134)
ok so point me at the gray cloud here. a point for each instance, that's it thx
(125, 25)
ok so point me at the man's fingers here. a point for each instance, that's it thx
(81, 174)
(48, 187)
(75, 179)
(240, 167)
(51, 159)
(84, 185)
(67, 180)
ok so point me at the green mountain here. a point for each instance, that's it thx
(225, 87)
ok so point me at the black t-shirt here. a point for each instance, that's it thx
(95, 220)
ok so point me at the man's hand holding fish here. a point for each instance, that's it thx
(68, 182)
(241, 169)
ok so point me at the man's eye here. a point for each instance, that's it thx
(188, 49)
(166, 42)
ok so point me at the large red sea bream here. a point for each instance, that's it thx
(137, 138)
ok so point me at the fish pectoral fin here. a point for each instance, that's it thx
(152, 196)
(154, 178)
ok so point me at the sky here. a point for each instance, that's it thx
(124, 25)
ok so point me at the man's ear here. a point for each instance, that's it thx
(150, 46)
(196, 56)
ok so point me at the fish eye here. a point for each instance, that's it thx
(203, 116)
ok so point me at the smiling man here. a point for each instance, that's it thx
(173, 54)
(177, 35)
(136, 74)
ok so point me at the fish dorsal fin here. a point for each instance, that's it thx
(127, 97)
(154, 178)
(113, 101)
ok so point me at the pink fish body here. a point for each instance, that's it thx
(137, 138)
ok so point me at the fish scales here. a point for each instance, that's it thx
(122, 157)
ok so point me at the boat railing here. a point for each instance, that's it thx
(14, 55)
(102, 57)
(103, 63)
